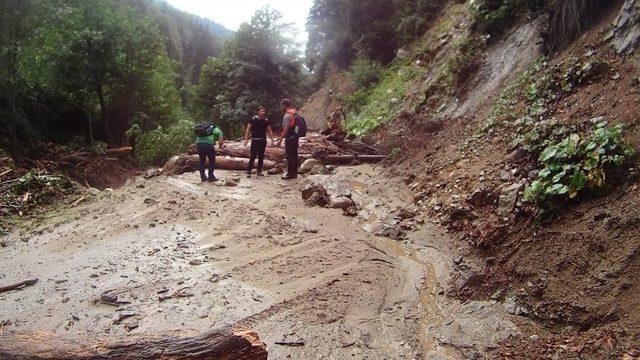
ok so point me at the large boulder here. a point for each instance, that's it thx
(331, 191)
(308, 165)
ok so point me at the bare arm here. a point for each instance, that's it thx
(270, 134)
(246, 134)
(285, 130)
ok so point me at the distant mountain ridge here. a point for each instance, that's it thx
(190, 39)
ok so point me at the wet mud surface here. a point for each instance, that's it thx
(170, 254)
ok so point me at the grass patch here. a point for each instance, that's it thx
(372, 106)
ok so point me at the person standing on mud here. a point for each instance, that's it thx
(291, 139)
(208, 134)
(258, 126)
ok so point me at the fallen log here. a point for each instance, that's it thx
(348, 159)
(276, 154)
(120, 152)
(18, 285)
(223, 344)
(76, 158)
(189, 163)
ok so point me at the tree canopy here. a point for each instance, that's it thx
(260, 65)
(341, 30)
(79, 72)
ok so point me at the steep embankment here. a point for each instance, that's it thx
(520, 156)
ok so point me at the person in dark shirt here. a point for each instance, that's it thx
(258, 126)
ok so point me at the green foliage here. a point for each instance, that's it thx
(99, 148)
(452, 74)
(89, 68)
(365, 73)
(579, 163)
(371, 107)
(343, 30)
(495, 16)
(260, 65)
(453, 71)
(504, 111)
(190, 40)
(524, 105)
(34, 183)
(158, 145)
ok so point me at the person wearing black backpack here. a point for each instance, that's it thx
(208, 134)
(258, 127)
(293, 128)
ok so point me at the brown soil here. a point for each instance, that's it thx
(189, 257)
(575, 276)
(320, 104)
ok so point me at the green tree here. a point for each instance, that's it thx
(108, 62)
(260, 65)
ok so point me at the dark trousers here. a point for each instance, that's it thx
(291, 149)
(207, 151)
(258, 146)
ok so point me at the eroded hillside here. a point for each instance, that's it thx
(523, 148)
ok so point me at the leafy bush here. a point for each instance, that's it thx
(579, 163)
(365, 73)
(158, 145)
(373, 106)
(99, 148)
(455, 68)
(494, 16)
(525, 103)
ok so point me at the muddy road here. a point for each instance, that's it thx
(170, 254)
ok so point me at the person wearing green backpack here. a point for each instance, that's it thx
(207, 135)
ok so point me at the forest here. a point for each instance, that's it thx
(109, 73)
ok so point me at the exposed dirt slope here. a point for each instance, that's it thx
(321, 103)
(571, 281)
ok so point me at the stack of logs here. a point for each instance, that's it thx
(235, 155)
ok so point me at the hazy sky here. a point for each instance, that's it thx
(232, 13)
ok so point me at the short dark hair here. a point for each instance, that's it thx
(262, 107)
(286, 103)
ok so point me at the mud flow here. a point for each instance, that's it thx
(171, 254)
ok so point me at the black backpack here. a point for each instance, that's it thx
(300, 128)
(203, 129)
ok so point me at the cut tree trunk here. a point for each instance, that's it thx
(223, 344)
(239, 150)
(189, 163)
(120, 152)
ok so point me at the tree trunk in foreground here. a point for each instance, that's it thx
(223, 344)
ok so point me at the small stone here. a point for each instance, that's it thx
(231, 182)
(130, 325)
(403, 54)
(150, 201)
(505, 176)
